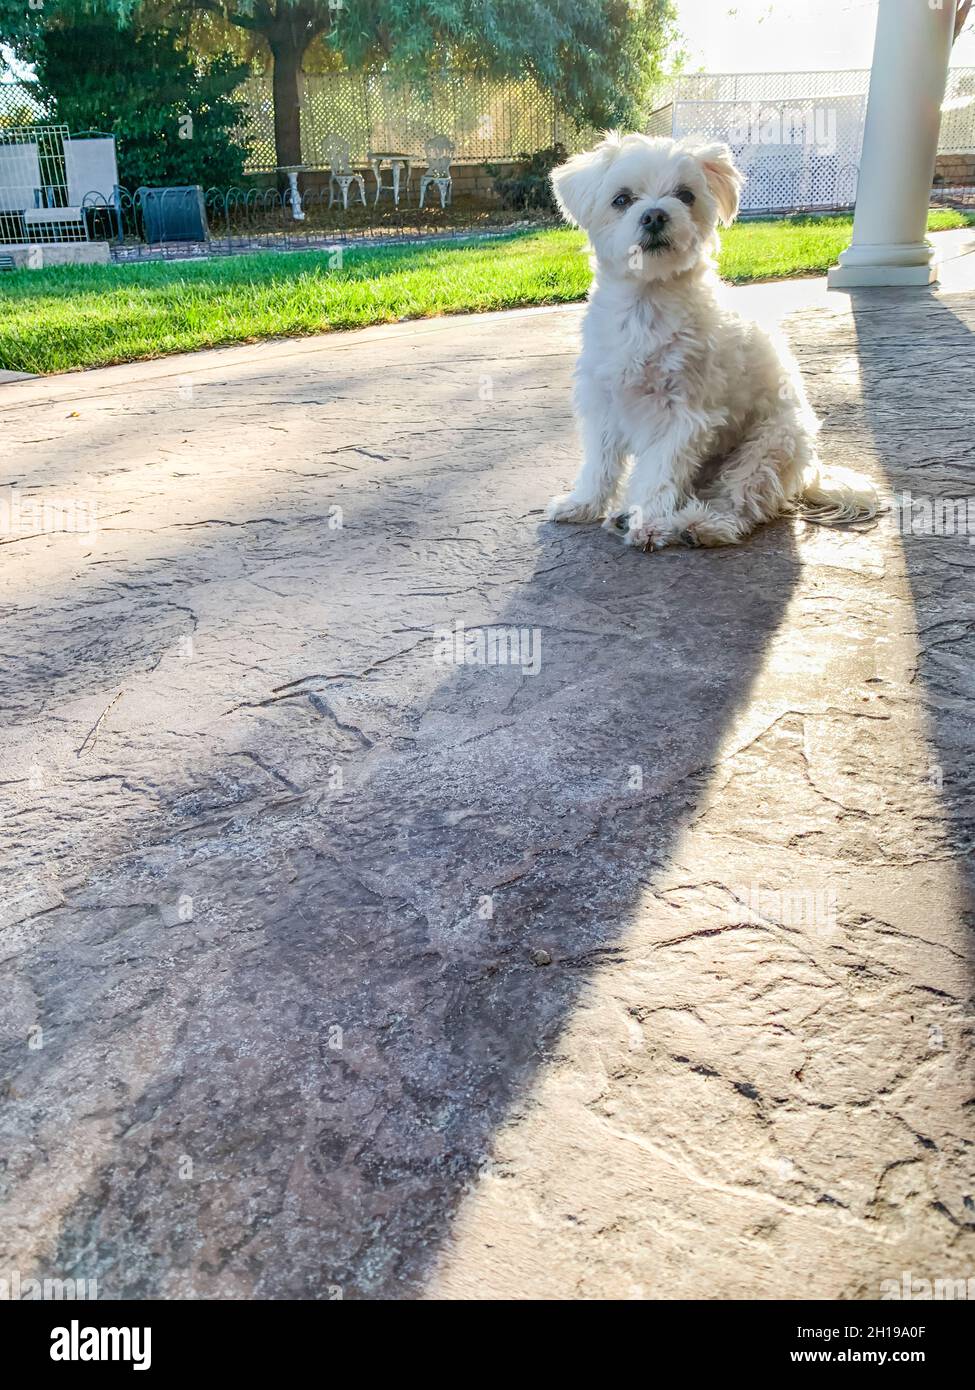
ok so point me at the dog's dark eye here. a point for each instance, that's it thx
(622, 200)
(685, 195)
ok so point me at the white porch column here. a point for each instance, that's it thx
(900, 141)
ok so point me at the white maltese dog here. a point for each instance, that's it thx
(711, 410)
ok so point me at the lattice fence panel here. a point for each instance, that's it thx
(958, 113)
(257, 130)
(486, 118)
(492, 119)
(770, 86)
(794, 154)
(957, 118)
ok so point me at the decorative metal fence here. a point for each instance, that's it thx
(167, 223)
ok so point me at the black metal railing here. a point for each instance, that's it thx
(185, 222)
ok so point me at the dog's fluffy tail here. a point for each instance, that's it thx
(839, 498)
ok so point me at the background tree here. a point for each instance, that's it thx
(597, 56)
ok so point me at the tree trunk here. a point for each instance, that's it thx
(287, 51)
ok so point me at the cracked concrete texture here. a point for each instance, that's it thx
(276, 881)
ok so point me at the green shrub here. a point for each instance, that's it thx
(172, 113)
(529, 188)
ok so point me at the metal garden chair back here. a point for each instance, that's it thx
(341, 173)
(439, 152)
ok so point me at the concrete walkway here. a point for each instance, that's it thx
(329, 967)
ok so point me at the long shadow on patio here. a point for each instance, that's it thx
(225, 1139)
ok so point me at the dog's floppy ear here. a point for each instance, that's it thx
(576, 183)
(724, 180)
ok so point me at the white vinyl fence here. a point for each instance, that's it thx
(797, 136)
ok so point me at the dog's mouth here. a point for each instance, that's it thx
(655, 242)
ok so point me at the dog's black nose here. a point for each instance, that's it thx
(655, 219)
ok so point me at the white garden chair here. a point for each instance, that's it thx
(341, 171)
(439, 153)
(91, 173)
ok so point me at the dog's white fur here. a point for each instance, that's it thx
(711, 410)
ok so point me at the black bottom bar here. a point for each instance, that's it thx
(227, 1337)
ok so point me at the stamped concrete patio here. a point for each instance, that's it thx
(329, 968)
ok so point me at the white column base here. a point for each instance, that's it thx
(893, 264)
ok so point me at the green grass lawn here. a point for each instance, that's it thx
(53, 320)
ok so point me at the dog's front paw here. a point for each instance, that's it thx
(570, 507)
(638, 527)
(642, 530)
(620, 522)
(650, 535)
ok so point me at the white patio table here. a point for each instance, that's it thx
(397, 162)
